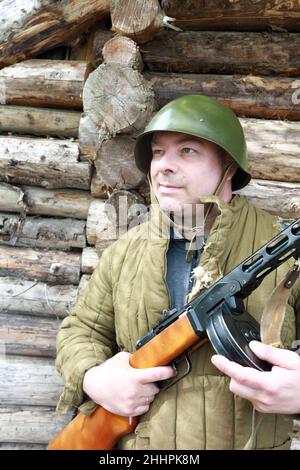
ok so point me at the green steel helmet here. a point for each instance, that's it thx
(203, 117)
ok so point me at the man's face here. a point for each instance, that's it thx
(183, 169)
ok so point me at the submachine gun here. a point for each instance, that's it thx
(217, 314)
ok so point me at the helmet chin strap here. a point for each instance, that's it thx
(229, 172)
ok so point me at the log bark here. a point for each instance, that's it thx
(136, 19)
(44, 83)
(41, 122)
(29, 381)
(36, 298)
(30, 425)
(234, 15)
(115, 164)
(34, 200)
(21, 446)
(247, 96)
(53, 267)
(279, 198)
(42, 162)
(49, 27)
(89, 260)
(14, 14)
(26, 335)
(224, 53)
(41, 232)
(274, 149)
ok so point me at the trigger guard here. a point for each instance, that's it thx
(231, 333)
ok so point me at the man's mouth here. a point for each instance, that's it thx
(168, 186)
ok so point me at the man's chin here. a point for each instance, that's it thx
(170, 207)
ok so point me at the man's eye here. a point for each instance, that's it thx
(157, 151)
(187, 150)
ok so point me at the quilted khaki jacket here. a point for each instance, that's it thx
(125, 299)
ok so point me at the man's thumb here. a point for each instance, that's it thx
(276, 356)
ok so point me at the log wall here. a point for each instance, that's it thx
(67, 130)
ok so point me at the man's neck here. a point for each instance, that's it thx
(192, 228)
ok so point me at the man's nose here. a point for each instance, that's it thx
(167, 162)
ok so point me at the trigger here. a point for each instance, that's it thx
(165, 384)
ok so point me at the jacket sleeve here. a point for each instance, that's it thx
(86, 337)
(297, 313)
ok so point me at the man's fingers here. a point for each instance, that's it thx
(244, 375)
(276, 356)
(154, 374)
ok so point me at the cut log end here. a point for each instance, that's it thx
(123, 51)
(116, 166)
(117, 99)
(137, 20)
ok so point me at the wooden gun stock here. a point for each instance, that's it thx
(102, 429)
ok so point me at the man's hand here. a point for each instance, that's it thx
(277, 391)
(122, 389)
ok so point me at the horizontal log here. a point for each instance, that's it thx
(247, 96)
(36, 298)
(50, 27)
(44, 83)
(53, 267)
(234, 15)
(89, 260)
(14, 15)
(21, 446)
(43, 162)
(224, 53)
(29, 381)
(279, 198)
(30, 425)
(274, 149)
(37, 121)
(27, 335)
(52, 202)
(41, 232)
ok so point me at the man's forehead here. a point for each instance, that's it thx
(177, 137)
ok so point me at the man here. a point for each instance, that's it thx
(194, 152)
